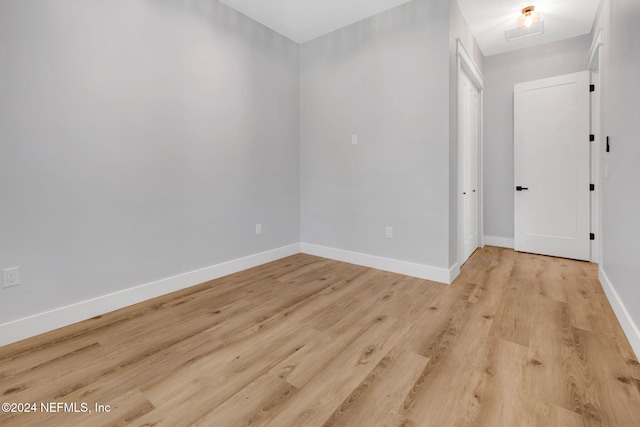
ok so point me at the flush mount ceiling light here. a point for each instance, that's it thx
(529, 17)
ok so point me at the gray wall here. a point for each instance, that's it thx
(139, 140)
(621, 114)
(458, 29)
(385, 79)
(501, 73)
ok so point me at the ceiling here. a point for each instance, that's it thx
(304, 20)
(489, 19)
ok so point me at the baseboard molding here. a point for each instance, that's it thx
(47, 321)
(422, 271)
(630, 329)
(454, 272)
(502, 242)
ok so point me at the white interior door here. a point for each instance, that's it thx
(551, 124)
(469, 137)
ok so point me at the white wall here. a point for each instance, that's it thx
(139, 140)
(621, 122)
(501, 72)
(385, 79)
(142, 140)
(458, 29)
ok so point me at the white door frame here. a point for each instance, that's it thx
(466, 65)
(597, 160)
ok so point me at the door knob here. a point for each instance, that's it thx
(519, 188)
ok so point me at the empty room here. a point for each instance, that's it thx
(320, 213)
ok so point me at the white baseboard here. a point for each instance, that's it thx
(630, 329)
(454, 272)
(30, 326)
(502, 242)
(422, 271)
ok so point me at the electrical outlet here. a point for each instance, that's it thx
(388, 233)
(354, 139)
(258, 228)
(10, 277)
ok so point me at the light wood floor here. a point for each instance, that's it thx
(517, 340)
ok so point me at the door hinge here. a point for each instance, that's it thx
(592, 88)
(592, 187)
(592, 236)
(607, 148)
(592, 138)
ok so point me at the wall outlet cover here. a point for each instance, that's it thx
(10, 277)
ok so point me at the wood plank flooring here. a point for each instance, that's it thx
(517, 340)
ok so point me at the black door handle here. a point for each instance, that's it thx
(518, 188)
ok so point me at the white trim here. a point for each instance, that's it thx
(594, 51)
(26, 327)
(597, 149)
(469, 65)
(630, 329)
(422, 271)
(502, 242)
(596, 167)
(481, 173)
(454, 272)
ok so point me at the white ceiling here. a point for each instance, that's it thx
(489, 19)
(304, 20)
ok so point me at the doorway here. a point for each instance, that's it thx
(469, 179)
(552, 166)
(469, 187)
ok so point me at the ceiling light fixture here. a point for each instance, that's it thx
(529, 17)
